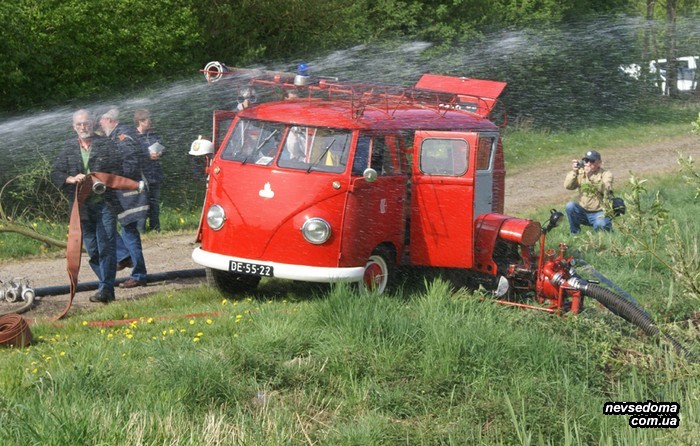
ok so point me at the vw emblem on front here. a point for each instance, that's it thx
(266, 191)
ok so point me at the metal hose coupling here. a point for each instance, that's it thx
(571, 279)
(578, 283)
(16, 291)
(99, 187)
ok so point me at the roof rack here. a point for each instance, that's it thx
(441, 94)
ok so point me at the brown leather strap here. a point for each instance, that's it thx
(75, 234)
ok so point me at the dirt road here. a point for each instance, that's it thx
(540, 186)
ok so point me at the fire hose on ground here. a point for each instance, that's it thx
(27, 294)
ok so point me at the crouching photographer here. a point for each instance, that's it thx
(595, 190)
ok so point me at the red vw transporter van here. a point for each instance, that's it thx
(343, 182)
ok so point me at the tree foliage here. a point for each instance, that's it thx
(56, 50)
(76, 49)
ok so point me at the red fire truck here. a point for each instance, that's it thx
(326, 181)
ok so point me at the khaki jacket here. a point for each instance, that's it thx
(593, 190)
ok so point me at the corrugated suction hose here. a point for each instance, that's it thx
(629, 312)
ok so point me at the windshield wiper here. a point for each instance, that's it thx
(325, 151)
(257, 149)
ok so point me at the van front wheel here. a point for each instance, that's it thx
(379, 272)
(230, 284)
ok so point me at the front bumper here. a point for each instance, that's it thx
(283, 270)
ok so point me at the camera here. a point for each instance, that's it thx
(580, 164)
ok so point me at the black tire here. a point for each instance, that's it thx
(230, 284)
(380, 272)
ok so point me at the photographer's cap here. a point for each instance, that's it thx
(592, 155)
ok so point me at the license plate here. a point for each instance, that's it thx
(250, 268)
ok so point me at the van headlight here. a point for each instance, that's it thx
(316, 230)
(216, 217)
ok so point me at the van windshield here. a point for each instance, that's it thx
(295, 147)
(253, 142)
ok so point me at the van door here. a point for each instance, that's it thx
(375, 211)
(442, 198)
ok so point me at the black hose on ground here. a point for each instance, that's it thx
(630, 312)
(87, 286)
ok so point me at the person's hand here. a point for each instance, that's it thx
(154, 156)
(574, 165)
(76, 179)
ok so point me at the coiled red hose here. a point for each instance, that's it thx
(14, 331)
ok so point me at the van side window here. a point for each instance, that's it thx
(359, 164)
(443, 156)
(483, 154)
(381, 156)
(375, 152)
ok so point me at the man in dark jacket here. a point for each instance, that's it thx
(98, 214)
(153, 171)
(135, 203)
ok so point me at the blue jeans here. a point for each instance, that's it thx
(579, 216)
(99, 229)
(153, 209)
(129, 245)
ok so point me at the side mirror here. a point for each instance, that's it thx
(554, 219)
(370, 175)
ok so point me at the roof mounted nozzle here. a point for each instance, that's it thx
(302, 77)
(214, 71)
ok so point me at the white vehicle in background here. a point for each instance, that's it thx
(686, 73)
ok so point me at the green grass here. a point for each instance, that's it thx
(433, 365)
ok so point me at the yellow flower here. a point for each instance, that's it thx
(182, 221)
(200, 334)
(195, 340)
(150, 320)
(209, 321)
(84, 323)
(191, 321)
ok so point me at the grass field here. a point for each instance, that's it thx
(294, 364)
